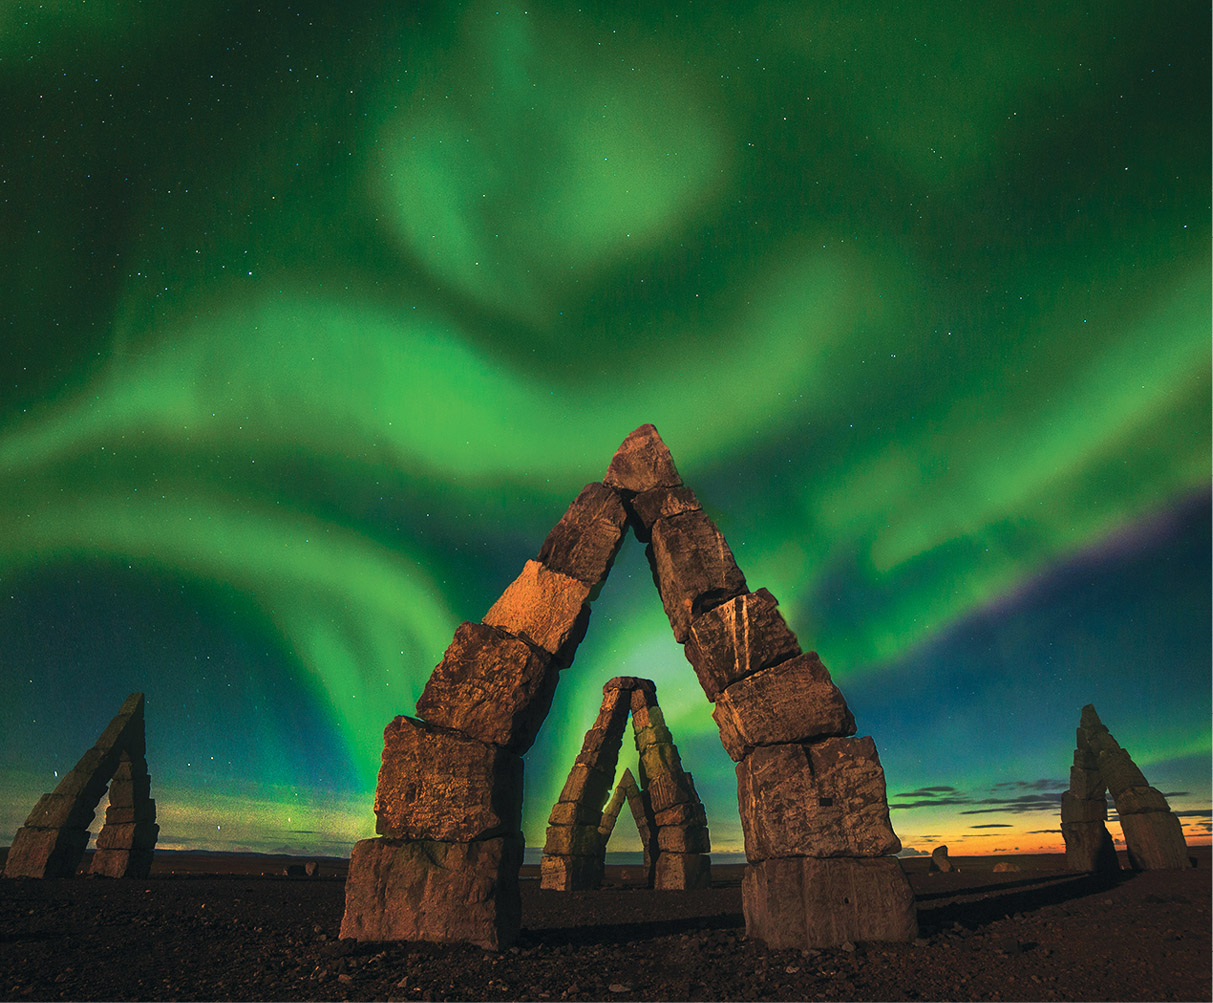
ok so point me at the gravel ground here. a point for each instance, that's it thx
(1030, 935)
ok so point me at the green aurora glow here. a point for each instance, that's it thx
(317, 320)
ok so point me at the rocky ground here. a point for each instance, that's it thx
(1035, 934)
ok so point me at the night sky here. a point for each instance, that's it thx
(314, 318)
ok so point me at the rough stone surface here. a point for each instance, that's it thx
(826, 799)
(583, 544)
(440, 785)
(1135, 800)
(1087, 784)
(794, 701)
(808, 903)
(631, 684)
(610, 814)
(736, 639)
(546, 608)
(693, 567)
(491, 686)
(586, 786)
(682, 814)
(570, 874)
(1155, 841)
(676, 871)
(1075, 809)
(573, 813)
(45, 853)
(573, 841)
(683, 838)
(665, 790)
(121, 863)
(642, 462)
(1089, 847)
(940, 862)
(437, 891)
(1119, 771)
(658, 503)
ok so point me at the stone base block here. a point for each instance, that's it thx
(1155, 841)
(45, 853)
(435, 891)
(122, 863)
(570, 874)
(677, 871)
(1089, 847)
(809, 902)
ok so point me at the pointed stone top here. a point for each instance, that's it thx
(642, 462)
(132, 705)
(1089, 718)
(627, 782)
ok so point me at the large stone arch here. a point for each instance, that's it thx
(668, 813)
(53, 839)
(449, 797)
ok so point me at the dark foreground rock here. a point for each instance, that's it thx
(1031, 934)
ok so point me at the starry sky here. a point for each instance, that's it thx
(314, 318)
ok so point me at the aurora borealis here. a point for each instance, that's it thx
(316, 317)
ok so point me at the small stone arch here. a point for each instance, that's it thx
(668, 813)
(449, 797)
(1154, 836)
(53, 839)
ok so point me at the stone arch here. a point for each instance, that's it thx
(449, 796)
(53, 839)
(668, 813)
(1153, 834)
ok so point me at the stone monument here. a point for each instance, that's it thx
(1154, 837)
(811, 796)
(52, 841)
(668, 812)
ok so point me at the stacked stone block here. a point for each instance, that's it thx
(1153, 835)
(53, 839)
(449, 796)
(812, 797)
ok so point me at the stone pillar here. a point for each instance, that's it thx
(680, 839)
(813, 806)
(575, 844)
(53, 839)
(449, 796)
(1084, 810)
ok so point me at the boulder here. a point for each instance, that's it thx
(436, 891)
(794, 701)
(641, 462)
(1154, 841)
(737, 638)
(693, 568)
(940, 863)
(583, 544)
(684, 838)
(808, 903)
(826, 799)
(679, 871)
(1089, 847)
(573, 841)
(546, 608)
(1135, 800)
(1075, 809)
(658, 503)
(570, 874)
(492, 686)
(436, 784)
(1005, 867)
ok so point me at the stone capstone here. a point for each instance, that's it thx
(436, 784)
(794, 701)
(436, 891)
(809, 902)
(826, 799)
(492, 686)
(641, 462)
